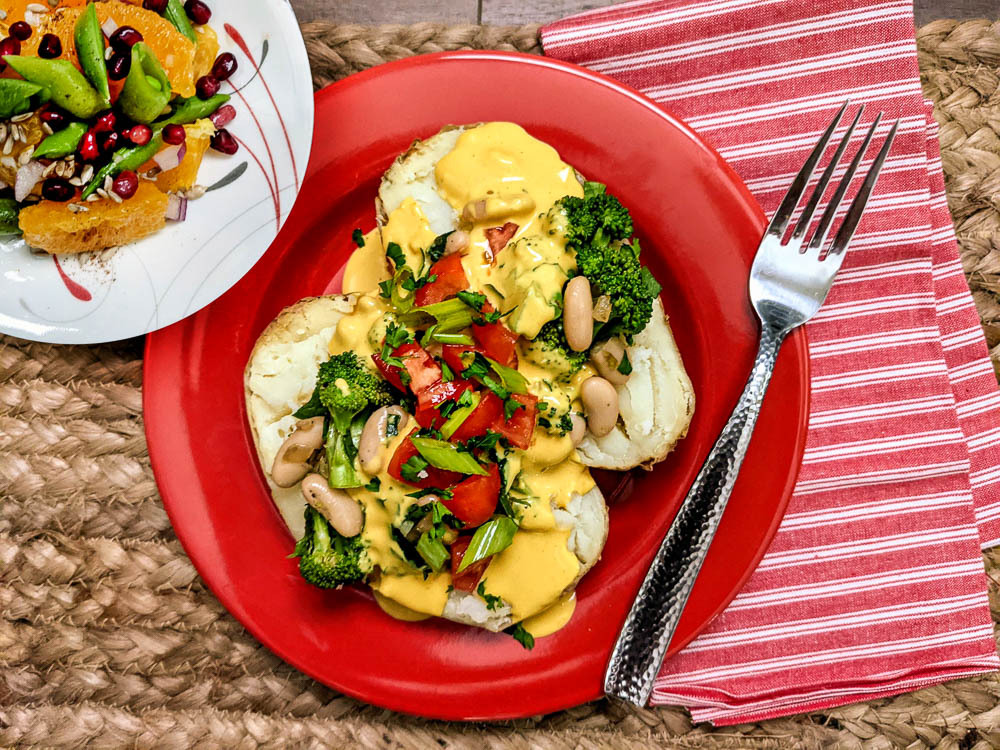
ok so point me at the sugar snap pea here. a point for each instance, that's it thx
(190, 110)
(176, 14)
(69, 89)
(89, 40)
(186, 111)
(62, 143)
(140, 100)
(15, 96)
(8, 217)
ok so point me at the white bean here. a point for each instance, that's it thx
(606, 357)
(578, 313)
(371, 446)
(339, 508)
(457, 242)
(600, 402)
(292, 460)
(579, 429)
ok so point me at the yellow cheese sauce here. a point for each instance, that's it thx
(552, 619)
(366, 267)
(519, 179)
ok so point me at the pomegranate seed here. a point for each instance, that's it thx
(224, 142)
(50, 46)
(109, 142)
(157, 6)
(174, 134)
(126, 184)
(140, 135)
(105, 123)
(224, 66)
(20, 30)
(197, 11)
(124, 38)
(223, 115)
(54, 118)
(88, 146)
(119, 65)
(207, 86)
(9, 46)
(57, 189)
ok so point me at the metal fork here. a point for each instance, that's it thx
(787, 286)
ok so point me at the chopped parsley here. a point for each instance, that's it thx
(395, 253)
(436, 250)
(359, 238)
(510, 406)
(373, 486)
(413, 468)
(521, 635)
(475, 300)
(493, 602)
(625, 367)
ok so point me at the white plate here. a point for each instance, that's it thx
(138, 288)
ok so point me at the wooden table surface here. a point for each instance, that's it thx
(540, 11)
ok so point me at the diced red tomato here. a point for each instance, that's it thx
(498, 237)
(468, 579)
(450, 281)
(453, 355)
(389, 372)
(428, 400)
(435, 477)
(519, 428)
(498, 342)
(482, 418)
(475, 498)
(420, 365)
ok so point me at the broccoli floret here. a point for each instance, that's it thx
(598, 230)
(327, 559)
(596, 217)
(346, 390)
(550, 350)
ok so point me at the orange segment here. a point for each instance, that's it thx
(54, 228)
(15, 9)
(206, 51)
(185, 174)
(174, 51)
(33, 135)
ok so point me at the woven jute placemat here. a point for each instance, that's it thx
(109, 638)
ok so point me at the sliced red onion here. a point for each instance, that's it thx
(109, 27)
(27, 177)
(170, 157)
(177, 207)
(223, 115)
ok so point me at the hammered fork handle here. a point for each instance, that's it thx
(641, 646)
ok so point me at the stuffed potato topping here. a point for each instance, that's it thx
(431, 431)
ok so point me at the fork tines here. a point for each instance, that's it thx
(782, 217)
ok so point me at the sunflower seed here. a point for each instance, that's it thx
(93, 198)
(8, 161)
(115, 197)
(22, 117)
(108, 182)
(3, 15)
(78, 208)
(195, 192)
(17, 131)
(36, 8)
(102, 192)
(109, 53)
(87, 173)
(76, 182)
(49, 169)
(25, 156)
(46, 128)
(8, 146)
(3, 132)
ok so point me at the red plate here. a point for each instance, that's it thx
(699, 228)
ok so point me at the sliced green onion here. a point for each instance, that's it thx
(457, 417)
(448, 456)
(510, 378)
(450, 315)
(452, 338)
(492, 537)
(432, 550)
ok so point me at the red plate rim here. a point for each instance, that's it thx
(795, 355)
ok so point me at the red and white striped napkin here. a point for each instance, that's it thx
(874, 584)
